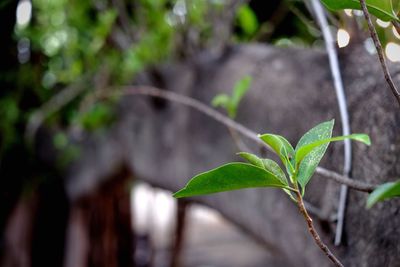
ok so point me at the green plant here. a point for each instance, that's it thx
(300, 164)
(247, 21)
(383, 192)
(231, 103)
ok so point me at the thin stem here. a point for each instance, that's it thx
(174, 97)
(352, 183)
(313, 231)
(379, 49)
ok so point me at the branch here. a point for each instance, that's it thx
(314, 232)
(379, 49)
(193, 103)
(341, 179)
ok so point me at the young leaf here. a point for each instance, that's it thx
(385, 191)
(266, 164)
(310, 162)
(221, 100)
(382, 9)
(240, 89)
(231, 103)
(252, 159)
(231, 176)
(247, 19)
(281, 146)
(306, 149)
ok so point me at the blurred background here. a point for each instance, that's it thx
(59, 59)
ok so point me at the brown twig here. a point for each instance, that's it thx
(188, 101)
(313, 231)
(379, 49)
(354, 184)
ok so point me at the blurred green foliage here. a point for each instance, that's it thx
(231, 102)
(247, 21)
(98, 44)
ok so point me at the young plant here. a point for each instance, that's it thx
(383, 192)
(231, 103)
(300, 164)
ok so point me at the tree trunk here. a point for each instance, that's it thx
(100, 229)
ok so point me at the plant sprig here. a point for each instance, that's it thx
(231, 103)
(300, 164)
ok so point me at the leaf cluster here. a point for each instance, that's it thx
(299, 162)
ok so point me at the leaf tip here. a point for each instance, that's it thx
(368, 141)
(180, 193)
(371, 201)
(363, 138)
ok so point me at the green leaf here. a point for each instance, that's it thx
(282, 148)
(385, 191)
(266, 164)
(396, 6)
(273, 167)
(231, 176)
(247, 20)
(310, 162)
(240, 89)
(252, 159)
(382, 9)
(231, 103)
(221, 100)
(306, 149)
(60, 140)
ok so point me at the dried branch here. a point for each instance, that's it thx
(314, 232)
(379, 49)
(353, 184)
